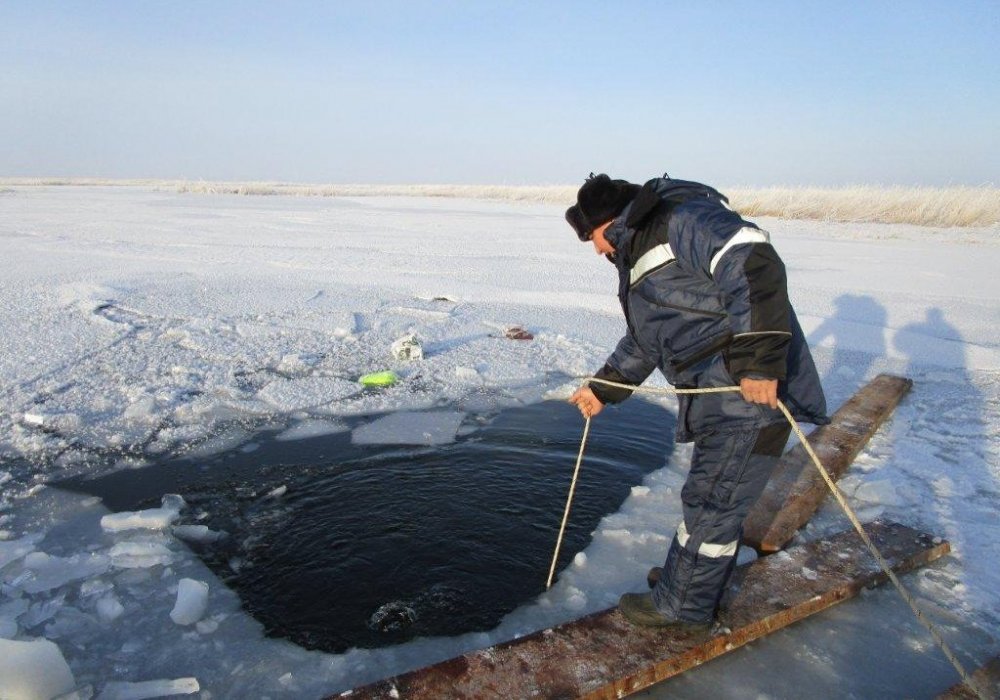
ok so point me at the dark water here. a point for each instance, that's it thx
(371, 546)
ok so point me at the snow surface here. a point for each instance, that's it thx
(135, 324)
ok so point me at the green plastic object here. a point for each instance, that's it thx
(379, 379)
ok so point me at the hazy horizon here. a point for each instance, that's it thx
(746, 93)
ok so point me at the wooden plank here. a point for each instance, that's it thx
(796, 489)
(603, 656)
(986, 678)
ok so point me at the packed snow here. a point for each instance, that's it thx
(139, 324)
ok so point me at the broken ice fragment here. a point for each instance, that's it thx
(12, 550)
(35, 669)
(192, 599)
(206, 626)
(407, 348)
(109, 609)
(116, 690)
(410, 428)
(140, 555)
(49, 572)
(197, 533)
(150, 519)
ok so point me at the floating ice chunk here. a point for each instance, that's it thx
(298, 394)
(312, 428)
(140, 555)
(192, 599)
(34, 669)
(48, 572)
(278, 492)
(117, 690)
(109, 609)
(206, 626)
(640, 491)
(9, 612)
(410, 428)
(150, 519)
(173, 501)
(580, 560)
(197, 533)
(41, 612)
(12, 550)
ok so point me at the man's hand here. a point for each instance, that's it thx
(585, 400)
(763, 391)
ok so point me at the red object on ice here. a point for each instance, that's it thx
(517, 333)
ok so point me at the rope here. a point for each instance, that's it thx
(569, 502)
(883, 564)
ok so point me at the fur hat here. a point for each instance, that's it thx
(601, 199)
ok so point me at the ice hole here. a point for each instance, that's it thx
(373, 544)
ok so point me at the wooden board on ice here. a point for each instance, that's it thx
(603, 656)
(796, 489)
(986, 678)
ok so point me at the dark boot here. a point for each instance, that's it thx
(638, 608)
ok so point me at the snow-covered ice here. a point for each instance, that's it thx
(146, 324)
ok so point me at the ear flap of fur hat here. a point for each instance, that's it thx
(601, 199)
(579, 222)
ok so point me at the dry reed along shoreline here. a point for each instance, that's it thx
(959, 206)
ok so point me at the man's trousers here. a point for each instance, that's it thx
(728, 473)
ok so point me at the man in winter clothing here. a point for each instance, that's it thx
(705, 301)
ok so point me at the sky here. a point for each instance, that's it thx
(521, 93)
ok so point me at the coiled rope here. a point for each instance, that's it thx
(886, 569)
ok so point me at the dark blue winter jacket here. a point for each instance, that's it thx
(705, 298)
